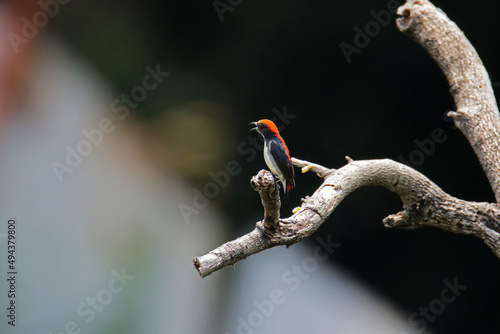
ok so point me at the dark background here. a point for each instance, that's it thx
(267, 55)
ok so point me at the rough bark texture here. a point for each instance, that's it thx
(476, 108)
(424, 203)
(266, 185)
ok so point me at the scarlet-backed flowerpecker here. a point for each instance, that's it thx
(276, 154)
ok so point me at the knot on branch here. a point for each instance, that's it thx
(399, 220)
(262, 180)
(409, 14)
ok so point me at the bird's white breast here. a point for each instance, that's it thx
(268, 158)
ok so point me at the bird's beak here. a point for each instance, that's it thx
(255, 124)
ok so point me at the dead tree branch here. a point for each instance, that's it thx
(476, 108)
(265, 184)
(424, 203)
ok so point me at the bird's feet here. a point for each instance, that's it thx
(276, 183)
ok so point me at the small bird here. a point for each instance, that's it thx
(276, 154)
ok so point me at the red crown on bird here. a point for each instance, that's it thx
(270, 124)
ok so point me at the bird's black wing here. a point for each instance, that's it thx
(281, 157)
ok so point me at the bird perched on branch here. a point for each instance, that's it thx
(276, 154)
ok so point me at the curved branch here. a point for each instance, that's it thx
(477, 111)
(424, 203)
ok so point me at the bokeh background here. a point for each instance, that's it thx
(119, 210)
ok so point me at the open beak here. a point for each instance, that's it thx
(255, 124)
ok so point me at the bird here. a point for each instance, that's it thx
(276, 154)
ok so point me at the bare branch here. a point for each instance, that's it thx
(318, 169)
(233, 251)
(424, 203)
(266, 185)
(477, 112)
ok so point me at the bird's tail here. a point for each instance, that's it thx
(287, 192)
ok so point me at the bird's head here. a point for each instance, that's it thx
(266, 128)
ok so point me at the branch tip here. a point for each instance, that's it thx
(305, 169)
(306, 165)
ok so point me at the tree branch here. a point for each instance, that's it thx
(306, 166)
(477, 111)
(424, 203)
(265, 184)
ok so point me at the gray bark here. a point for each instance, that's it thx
(476, 112)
